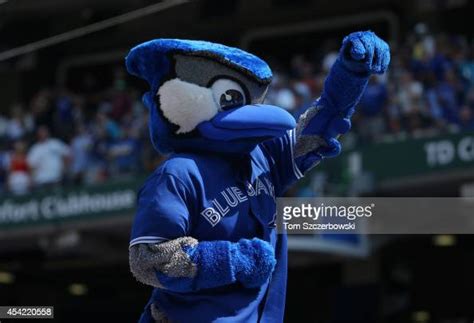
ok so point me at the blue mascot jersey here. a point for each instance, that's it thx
(219, 197)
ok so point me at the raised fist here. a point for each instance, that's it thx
(364, 52)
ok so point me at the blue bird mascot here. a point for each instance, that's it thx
(204, 234)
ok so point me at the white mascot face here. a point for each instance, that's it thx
(187, 105)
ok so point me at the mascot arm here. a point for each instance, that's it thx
(361, 54)
(186, 265)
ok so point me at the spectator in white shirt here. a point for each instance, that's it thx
(47, 159)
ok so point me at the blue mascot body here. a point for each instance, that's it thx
(204, 235)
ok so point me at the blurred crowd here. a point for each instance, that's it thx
(68, 138)
(429, 89)
(61, 136)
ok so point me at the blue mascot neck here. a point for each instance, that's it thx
(201, 145)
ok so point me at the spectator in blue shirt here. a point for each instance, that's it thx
(124, 153)
(371, 108)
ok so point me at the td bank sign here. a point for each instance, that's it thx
(445, 152)
(68, 206)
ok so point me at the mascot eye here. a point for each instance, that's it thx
(228, 94)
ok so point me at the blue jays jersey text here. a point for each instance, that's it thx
(220, 197)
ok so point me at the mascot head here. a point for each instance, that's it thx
(206, 97)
